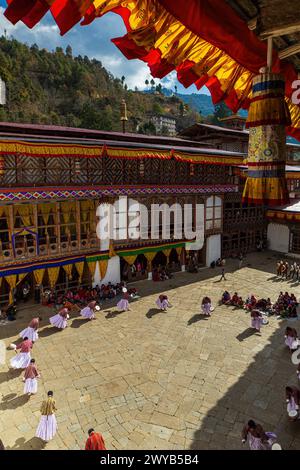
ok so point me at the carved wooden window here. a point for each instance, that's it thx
(213, 213)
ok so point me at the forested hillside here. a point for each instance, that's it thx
(56, 88)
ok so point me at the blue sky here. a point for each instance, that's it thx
(94, 41)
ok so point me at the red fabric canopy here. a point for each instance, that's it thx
(209, 25)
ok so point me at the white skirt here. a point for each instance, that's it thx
(163, 305)
(20, 361)
(30, 386)
(87, 312)
(58, 321)
(123, 305)
(31, 333)
(47, 427)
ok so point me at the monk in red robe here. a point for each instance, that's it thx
(95, 441)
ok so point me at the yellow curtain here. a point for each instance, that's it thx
(85, 207)
(3, 211)
(21, 277)
(67, 208)
(93, 218)
(111, 249)
(92, 267)
(68, 270)
(12, 281)
(130, 259)
(80, 268)
(103, 267)
(45, 210)
(53, 274)
(38, 276)
(167, 252)
(25, 211)
(150, 255)
(179, 250)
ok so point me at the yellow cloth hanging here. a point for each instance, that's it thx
(25, 211)
(38, 276)
(44, 210)
(111, 249)
(3, 211)
(80, 267)
(67, 208)
(179, 250)
(68, 270)
(167, 252)
(130, 259)
(103, 267)
(53, 274)
(150, 255)
(12, 281)
(85, 207)
(92, 267)
(21, 277)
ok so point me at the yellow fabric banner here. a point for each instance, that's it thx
(103, 267)
(53, 274)
(25, 211)
(3, 211)
(21, 277)
(12, 281)
(150, 255)
(68, 270)
(38, 276)
(80, 267)
(167, 252)
(44, 210)
(130, 259)
(67, 208)
(179, 250)
(92, 267)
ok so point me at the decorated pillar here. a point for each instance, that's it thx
(267, 118)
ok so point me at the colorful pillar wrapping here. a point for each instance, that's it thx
(268, 116)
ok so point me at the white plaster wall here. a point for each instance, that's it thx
(213, 248)
(113, 273)
(278, 237)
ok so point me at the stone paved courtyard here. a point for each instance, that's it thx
(153, 380)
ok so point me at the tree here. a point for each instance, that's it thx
(69, 52)
(152, 82)
(122, 80)
(175, 88)
(221, 111)
(159, 88)
(147, 83)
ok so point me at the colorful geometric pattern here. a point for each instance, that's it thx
(10, 194)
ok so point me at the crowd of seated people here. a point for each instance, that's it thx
(83, 295)
(161, 273)
(236, 300)
(286, 304)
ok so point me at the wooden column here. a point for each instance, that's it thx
(78, 224)
(11, 224)
(57, 207)
(35, 223)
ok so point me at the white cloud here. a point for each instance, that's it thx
(94, 41)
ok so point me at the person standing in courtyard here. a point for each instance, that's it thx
(22, 359)
(60, 320)
(291, 338)
(47, 427)
(256, 437)
(95, 441)
(241, 258)
(123, 304)
(32, 330)
(256, 320)
(223, 274)
(30, 378)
